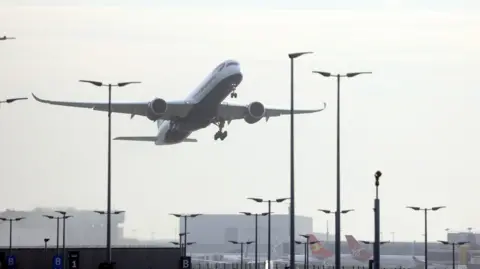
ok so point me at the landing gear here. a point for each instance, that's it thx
(233, 94)
(220, 134)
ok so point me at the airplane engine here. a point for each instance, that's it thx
(256, 111)
(156, 108)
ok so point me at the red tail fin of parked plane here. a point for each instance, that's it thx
(318, 250)
(358, 251)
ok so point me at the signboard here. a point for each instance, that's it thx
(73, 260)
(57, 262)
(185, 262)
(11, 261)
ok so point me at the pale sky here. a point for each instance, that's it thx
(413, 118)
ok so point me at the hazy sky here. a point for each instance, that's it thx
(415, 118)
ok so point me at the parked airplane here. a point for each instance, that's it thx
(319, 254)
(363, 256)
(176, 120)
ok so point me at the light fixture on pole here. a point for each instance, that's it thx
(185, 217)
(11, 100)
(241, 249)
(453, 244)
(64, 217)
(425, 211)
(180, 236)
(58, 230)
(292, 57)
(269, 202)
(10, 222)
(373, 242)
(256, 232)
(337, 216)
(307, 252)
(114, 212)
(45, 241)
(6, 38)
(109, 163)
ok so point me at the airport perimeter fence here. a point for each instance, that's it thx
(250, 265)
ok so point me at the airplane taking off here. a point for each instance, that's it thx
(176, 120)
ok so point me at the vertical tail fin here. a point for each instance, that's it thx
(318, 250)
(358, 251)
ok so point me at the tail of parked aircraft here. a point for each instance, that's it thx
(358, 251)
(318, 250)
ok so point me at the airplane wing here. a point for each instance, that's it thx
(230, 112)
(175, 109)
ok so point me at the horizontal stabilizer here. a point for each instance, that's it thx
(137, 138)
(148, 138)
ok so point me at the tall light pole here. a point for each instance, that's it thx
(337, 216)
(109, 153)
(11, 100)
(307, 244)
(376, 248)
(425, 210)
(241, 249)
(453, 244)
(11, 220)
(64, 217)
(45, 241)
(109, 213)
(269, 202)
(180, 244)
(180, 240)
(185, 217)
(292, 57)
(256, 232)
(58, 229)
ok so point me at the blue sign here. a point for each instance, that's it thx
(11, 261)
(57, 262)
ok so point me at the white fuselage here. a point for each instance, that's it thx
(205, 100)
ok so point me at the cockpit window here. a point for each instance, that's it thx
(219, 67)
(231, 63)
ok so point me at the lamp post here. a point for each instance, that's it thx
(256, 232)
(269, 202)
(180, 235)
(185, 217)
(425, 211)
(11, 100)
(109, 213)
(373, 243)
(184, 244)
(453, 244)
(307, 244)
(292, 57)
(64, 217)
(11, 220)
(58, 229)
(241, 249)
(376, 247)
(45, 241)
(109, 153)
(337, 216)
